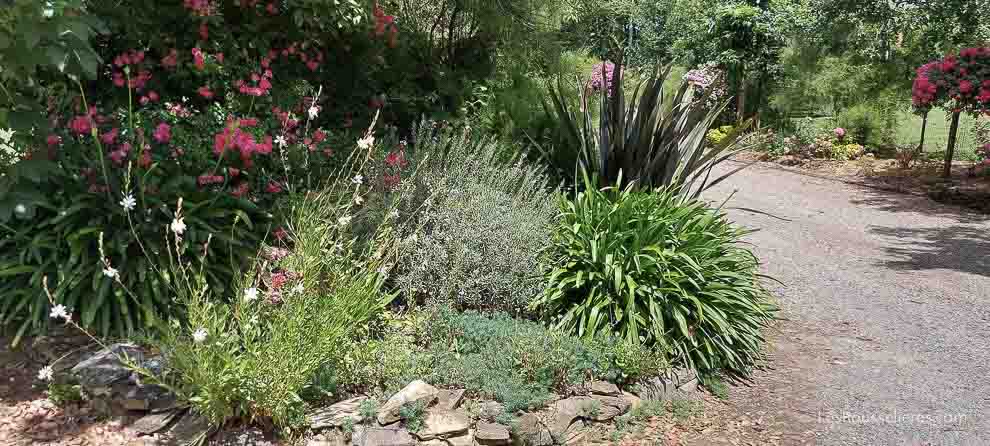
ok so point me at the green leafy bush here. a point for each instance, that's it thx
(656, 269)
(715, 136)
(865, 125)
(475, 223)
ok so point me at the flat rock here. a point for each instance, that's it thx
(676, 383)
(337, 414)
(148, 397)
(191, 428)
(604, 388)
(328, 439)
(436, 442)
(416, 392)
(463, 440)
(492, 434)
(381, 436)
(633, 400)
(608, 407)
(440, 423)
(562, 413)
(104, 368)
(450, 399)
(251, 436)
(489, 410)
(154, 422)
(531, 431)
(575, 434)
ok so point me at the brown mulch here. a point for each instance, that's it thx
(28, 417)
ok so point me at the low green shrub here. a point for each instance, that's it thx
(653, 268)
(516, 362)
(715, 136)
(866, 125)
(475, 223)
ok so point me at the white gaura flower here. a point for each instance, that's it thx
(46, 373)
(314, 111)
(250, 294)
(298, 289)
(60, 312)
(128, 203)
(178, 226)
(366, 142)
(199, 335)
(345, 220)
(280, 141)
(6, 134)
(358, 179)
(20, 209)
(394, 214)
(111, 272)
(358, 200)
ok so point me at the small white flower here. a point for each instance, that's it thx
(128, 203)
(366, 142)
(345, 220)
(185, 99)
(394, 214)
(5, 135)
(178, 226)
(280, 141)
(250, 294)
(46, 373)
(111, 272)
(199, 335)
(358, 200)
(253, 320)
(60, 312)
(298, 289)
(358, 179)
(314, 111)
(20, 209)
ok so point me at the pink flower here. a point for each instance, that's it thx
(118, 156)
(53, 140)
(391, 181)
(110, 137)
(153, 96)
(144, 161)
(965, 87)
(171, 60)
(396, 159)
(219, 57)
(81, 124)
(205, 92)
(240, 191)
(319, 136)
(280, 234)
(839, 132)
(198, 58)
(273, 187)
(204, 31)
(118, 79)
(163, 133)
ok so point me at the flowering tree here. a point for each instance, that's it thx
(959, 83)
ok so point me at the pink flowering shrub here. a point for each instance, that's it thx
(601, 77)
(958, 82)
(707, 79)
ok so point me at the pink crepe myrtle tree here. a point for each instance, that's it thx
(959, 82)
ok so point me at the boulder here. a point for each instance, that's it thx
(575, 434)
(492, 434)
(440, 423)
(149, 397)
(604, 388)
(381, 436)
(450, 399)
(332, 438)
(337, 414)
(561, 414)
(633, 400)
(104, 368)
(416, 392)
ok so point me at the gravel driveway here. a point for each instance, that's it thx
(886, 306)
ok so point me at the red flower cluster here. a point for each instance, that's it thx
(232, 137)
(382, 22)
(960, 82)
(199, 7)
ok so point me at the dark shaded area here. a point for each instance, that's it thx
(957, 247)
(885, 198)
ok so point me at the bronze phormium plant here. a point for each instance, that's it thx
(651, 139)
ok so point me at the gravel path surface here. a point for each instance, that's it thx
(886, 306)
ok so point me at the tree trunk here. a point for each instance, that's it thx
(953, 128)
(741, 103)
(924, 126)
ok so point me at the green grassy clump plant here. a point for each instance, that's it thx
(657, 269)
